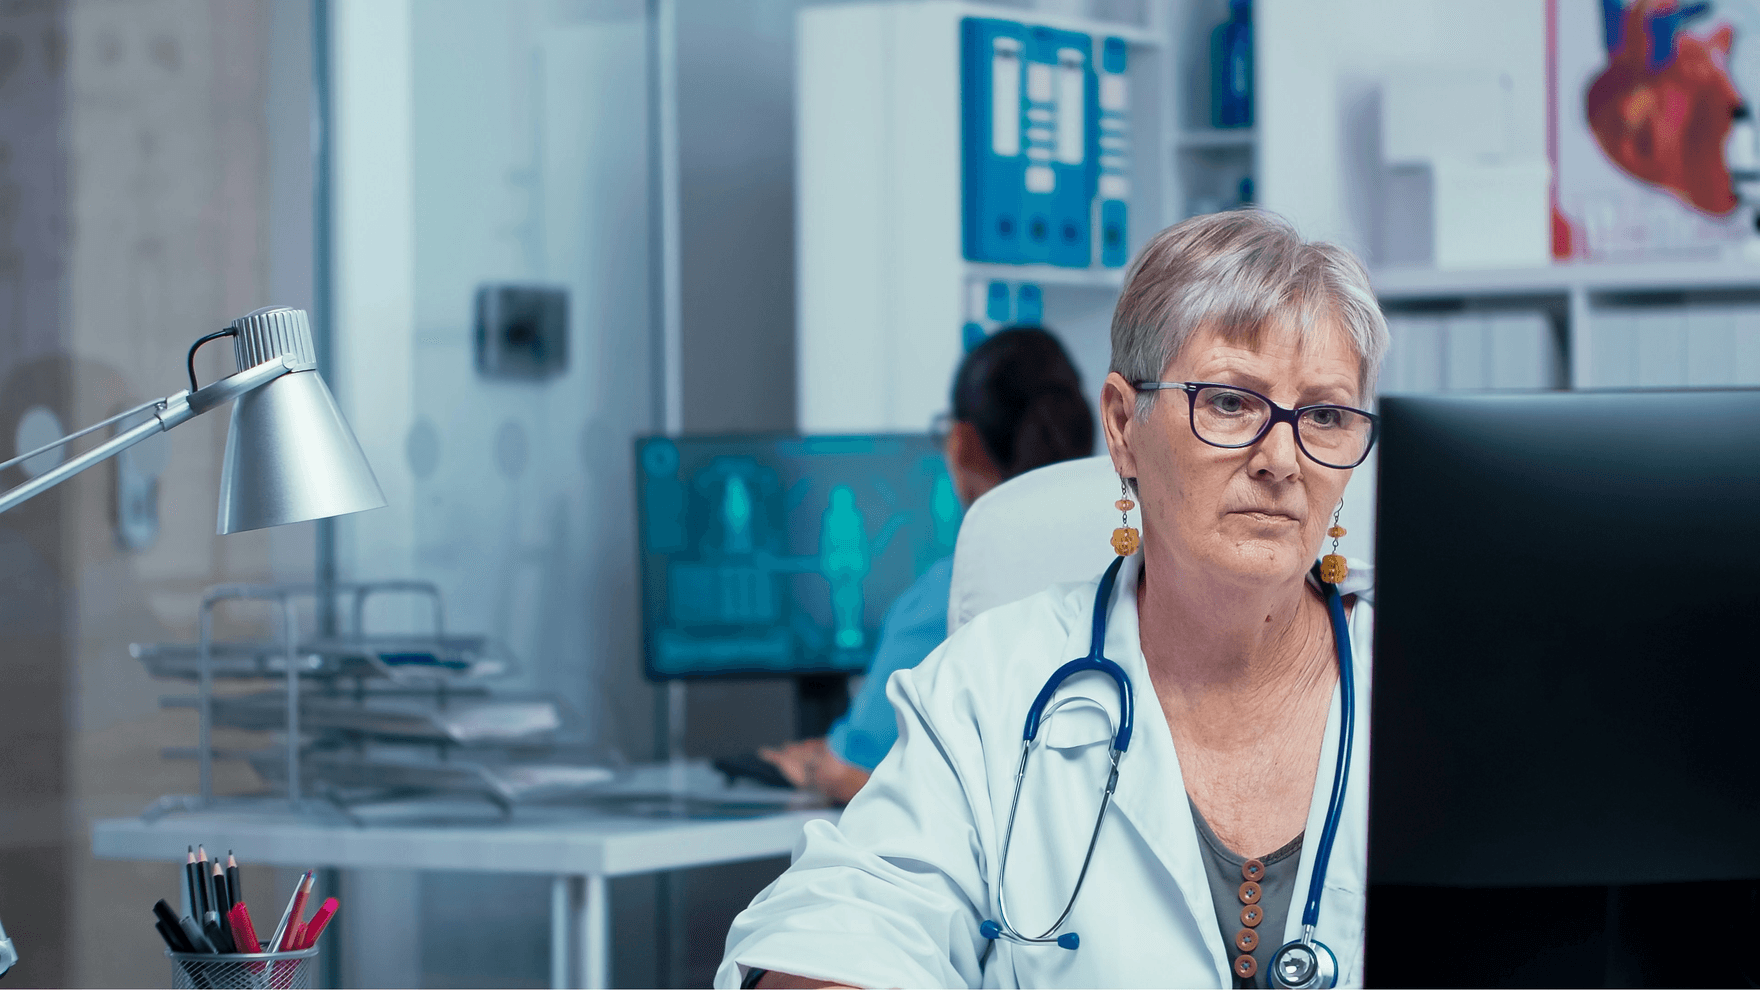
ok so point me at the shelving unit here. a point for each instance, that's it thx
(1046, 275)
(1217, 138)
(1657, 323)
(883, 288)
(1206, 164)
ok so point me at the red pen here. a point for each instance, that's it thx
(243, 932)
(310, 937)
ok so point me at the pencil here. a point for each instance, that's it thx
(222, 902)
(189, 883)
(234, 886)
(281, 929)
(296, 922)
(204, 888)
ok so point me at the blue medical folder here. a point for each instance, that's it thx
(994, 160)
(1072, 154)
(1112, 153)
(1039, 124)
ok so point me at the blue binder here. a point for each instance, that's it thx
(1039, 125)
(994, 160)
(1112, 154)
(1072, 152)
(1029, 306)
(996, 302)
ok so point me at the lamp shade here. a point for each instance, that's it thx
(290, 456)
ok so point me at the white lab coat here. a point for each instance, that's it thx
(892, 895)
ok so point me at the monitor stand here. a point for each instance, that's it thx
(819, 699)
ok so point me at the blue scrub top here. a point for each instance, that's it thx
(914, 625)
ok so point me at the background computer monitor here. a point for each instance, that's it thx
(1565, 748)
(779, 555)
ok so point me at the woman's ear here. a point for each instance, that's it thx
(1118, 413)
(974, 473)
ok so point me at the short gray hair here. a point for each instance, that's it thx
(1242, 274)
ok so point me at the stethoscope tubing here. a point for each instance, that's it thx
(1341, 771)
(1096, 660)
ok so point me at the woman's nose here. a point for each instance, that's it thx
(1276, 453)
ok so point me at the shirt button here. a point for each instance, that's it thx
(1245, 967)
(1252, 869)
(1246, 940)
(1251, 915)
(1249, 893)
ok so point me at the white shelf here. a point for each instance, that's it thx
(1216, 139)
(1131, 33)
(1044, 275)
(1411, 284)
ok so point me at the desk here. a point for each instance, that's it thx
(579, 846)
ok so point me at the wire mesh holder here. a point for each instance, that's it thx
(244, 970)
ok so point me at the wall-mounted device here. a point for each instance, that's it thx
(522, 330)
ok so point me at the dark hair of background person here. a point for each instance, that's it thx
(1022, 394)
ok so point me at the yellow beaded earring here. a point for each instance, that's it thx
(1332, 566)
(1125, 539)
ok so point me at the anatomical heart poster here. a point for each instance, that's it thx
(1653, 128)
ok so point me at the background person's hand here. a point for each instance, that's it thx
(810, 764)
(795, 760)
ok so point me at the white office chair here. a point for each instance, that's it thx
(1048, 526)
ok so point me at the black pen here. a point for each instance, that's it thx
(175, 945)
(192, 933)
(216, 933)
(166, 922)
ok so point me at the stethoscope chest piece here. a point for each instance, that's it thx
(1304, 965)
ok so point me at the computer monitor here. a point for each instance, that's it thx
(772, 555)
(1565, 749)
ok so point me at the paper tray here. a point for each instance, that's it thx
(426, 659)
(505, 782)
(463, 720)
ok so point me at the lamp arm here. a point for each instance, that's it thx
(171, 411)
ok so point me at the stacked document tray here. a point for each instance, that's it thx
(398, 658)
(362, 716)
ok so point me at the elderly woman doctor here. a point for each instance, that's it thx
(1177, 806)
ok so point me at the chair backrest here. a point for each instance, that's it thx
(1047, 526)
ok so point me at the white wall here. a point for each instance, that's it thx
(1319, 68)
(482, 143)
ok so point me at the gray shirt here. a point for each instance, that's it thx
(1222, 866)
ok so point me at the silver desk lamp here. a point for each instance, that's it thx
(290, 455)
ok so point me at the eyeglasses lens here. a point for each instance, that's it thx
(1229, 418)
(939, 429)
(1335, 436)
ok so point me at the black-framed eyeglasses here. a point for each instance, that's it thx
(1229, 416)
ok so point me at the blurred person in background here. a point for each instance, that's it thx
(1017, 405)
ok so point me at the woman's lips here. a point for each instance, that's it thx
(1270, 516)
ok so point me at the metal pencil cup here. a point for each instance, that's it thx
(245, 970)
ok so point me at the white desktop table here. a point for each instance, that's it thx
(579, 846)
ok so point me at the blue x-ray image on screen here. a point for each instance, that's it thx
(776, 555)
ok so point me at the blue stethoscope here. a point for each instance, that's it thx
(1304, 964)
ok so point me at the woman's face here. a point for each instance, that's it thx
(1254, 514)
